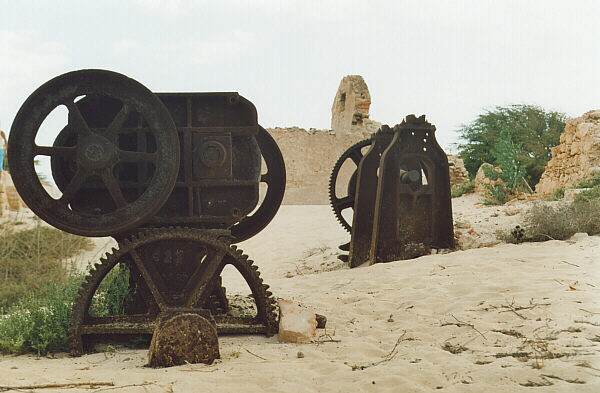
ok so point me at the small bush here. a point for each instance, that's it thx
(37, 292)
(496, 194)
(557, 195)
(34, 258)
(593, 194)
(40, 323)
(592, 182)
(462, 188)
(545, 222)
(113, 293)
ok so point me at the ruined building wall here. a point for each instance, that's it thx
(309, 158)
(458, 172)
(577, 157)
(350, 109)
(310, 155)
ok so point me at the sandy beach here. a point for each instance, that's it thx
(498, 318)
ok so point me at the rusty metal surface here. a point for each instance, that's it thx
(340, 203)
(221, 146)
(402, 206)
(94, 153)
(139, 166)
(364, 205)
(177, 267)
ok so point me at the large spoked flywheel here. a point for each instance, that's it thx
(94, 154)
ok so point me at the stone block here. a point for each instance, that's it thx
(296, 324)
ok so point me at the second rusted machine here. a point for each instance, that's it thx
(399, 193)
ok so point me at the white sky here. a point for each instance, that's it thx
(446, 59)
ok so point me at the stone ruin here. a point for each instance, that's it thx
(350, 110)
(458, 172)
(577, 157)
(310, 154)
(9, 197)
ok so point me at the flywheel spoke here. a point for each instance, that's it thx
(73, 186)
(61, 151)
(117, 123)
(76, 120)
(344, 203)
(151, 278)
(112, 185)
(356, 156)
(203, 276)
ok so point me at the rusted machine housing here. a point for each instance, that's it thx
(401, 203)
(173, 177)
(219, 171)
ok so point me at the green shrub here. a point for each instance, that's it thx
(593, 194)
(496, 194)
(592, 182)
(113, 293)
(40, 323)
(37, 291)
(532, 128)
(34, 258)
(559, 222)
(462, 188)
(557, 195)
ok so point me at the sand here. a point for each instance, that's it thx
(502, 318)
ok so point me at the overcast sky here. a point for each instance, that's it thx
(446, 59)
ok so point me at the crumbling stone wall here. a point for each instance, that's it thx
(310, 155)
(577, 157)
(350, 110)
(9, 197)
(458, 172)
(482, 181)
(309, 158)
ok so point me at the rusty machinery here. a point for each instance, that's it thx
(173, 177)
(399, 194)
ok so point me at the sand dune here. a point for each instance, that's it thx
(497, 319)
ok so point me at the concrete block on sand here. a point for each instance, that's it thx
(579, 236)
(296, 324)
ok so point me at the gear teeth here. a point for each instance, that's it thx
(265, 303)
(266, 286)
(333, 179)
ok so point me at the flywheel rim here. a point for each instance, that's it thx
(63, 90)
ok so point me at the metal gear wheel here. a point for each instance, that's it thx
(354, 153)
(172, 268)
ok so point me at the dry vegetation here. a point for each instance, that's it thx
(39, 286)
(33, 258)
